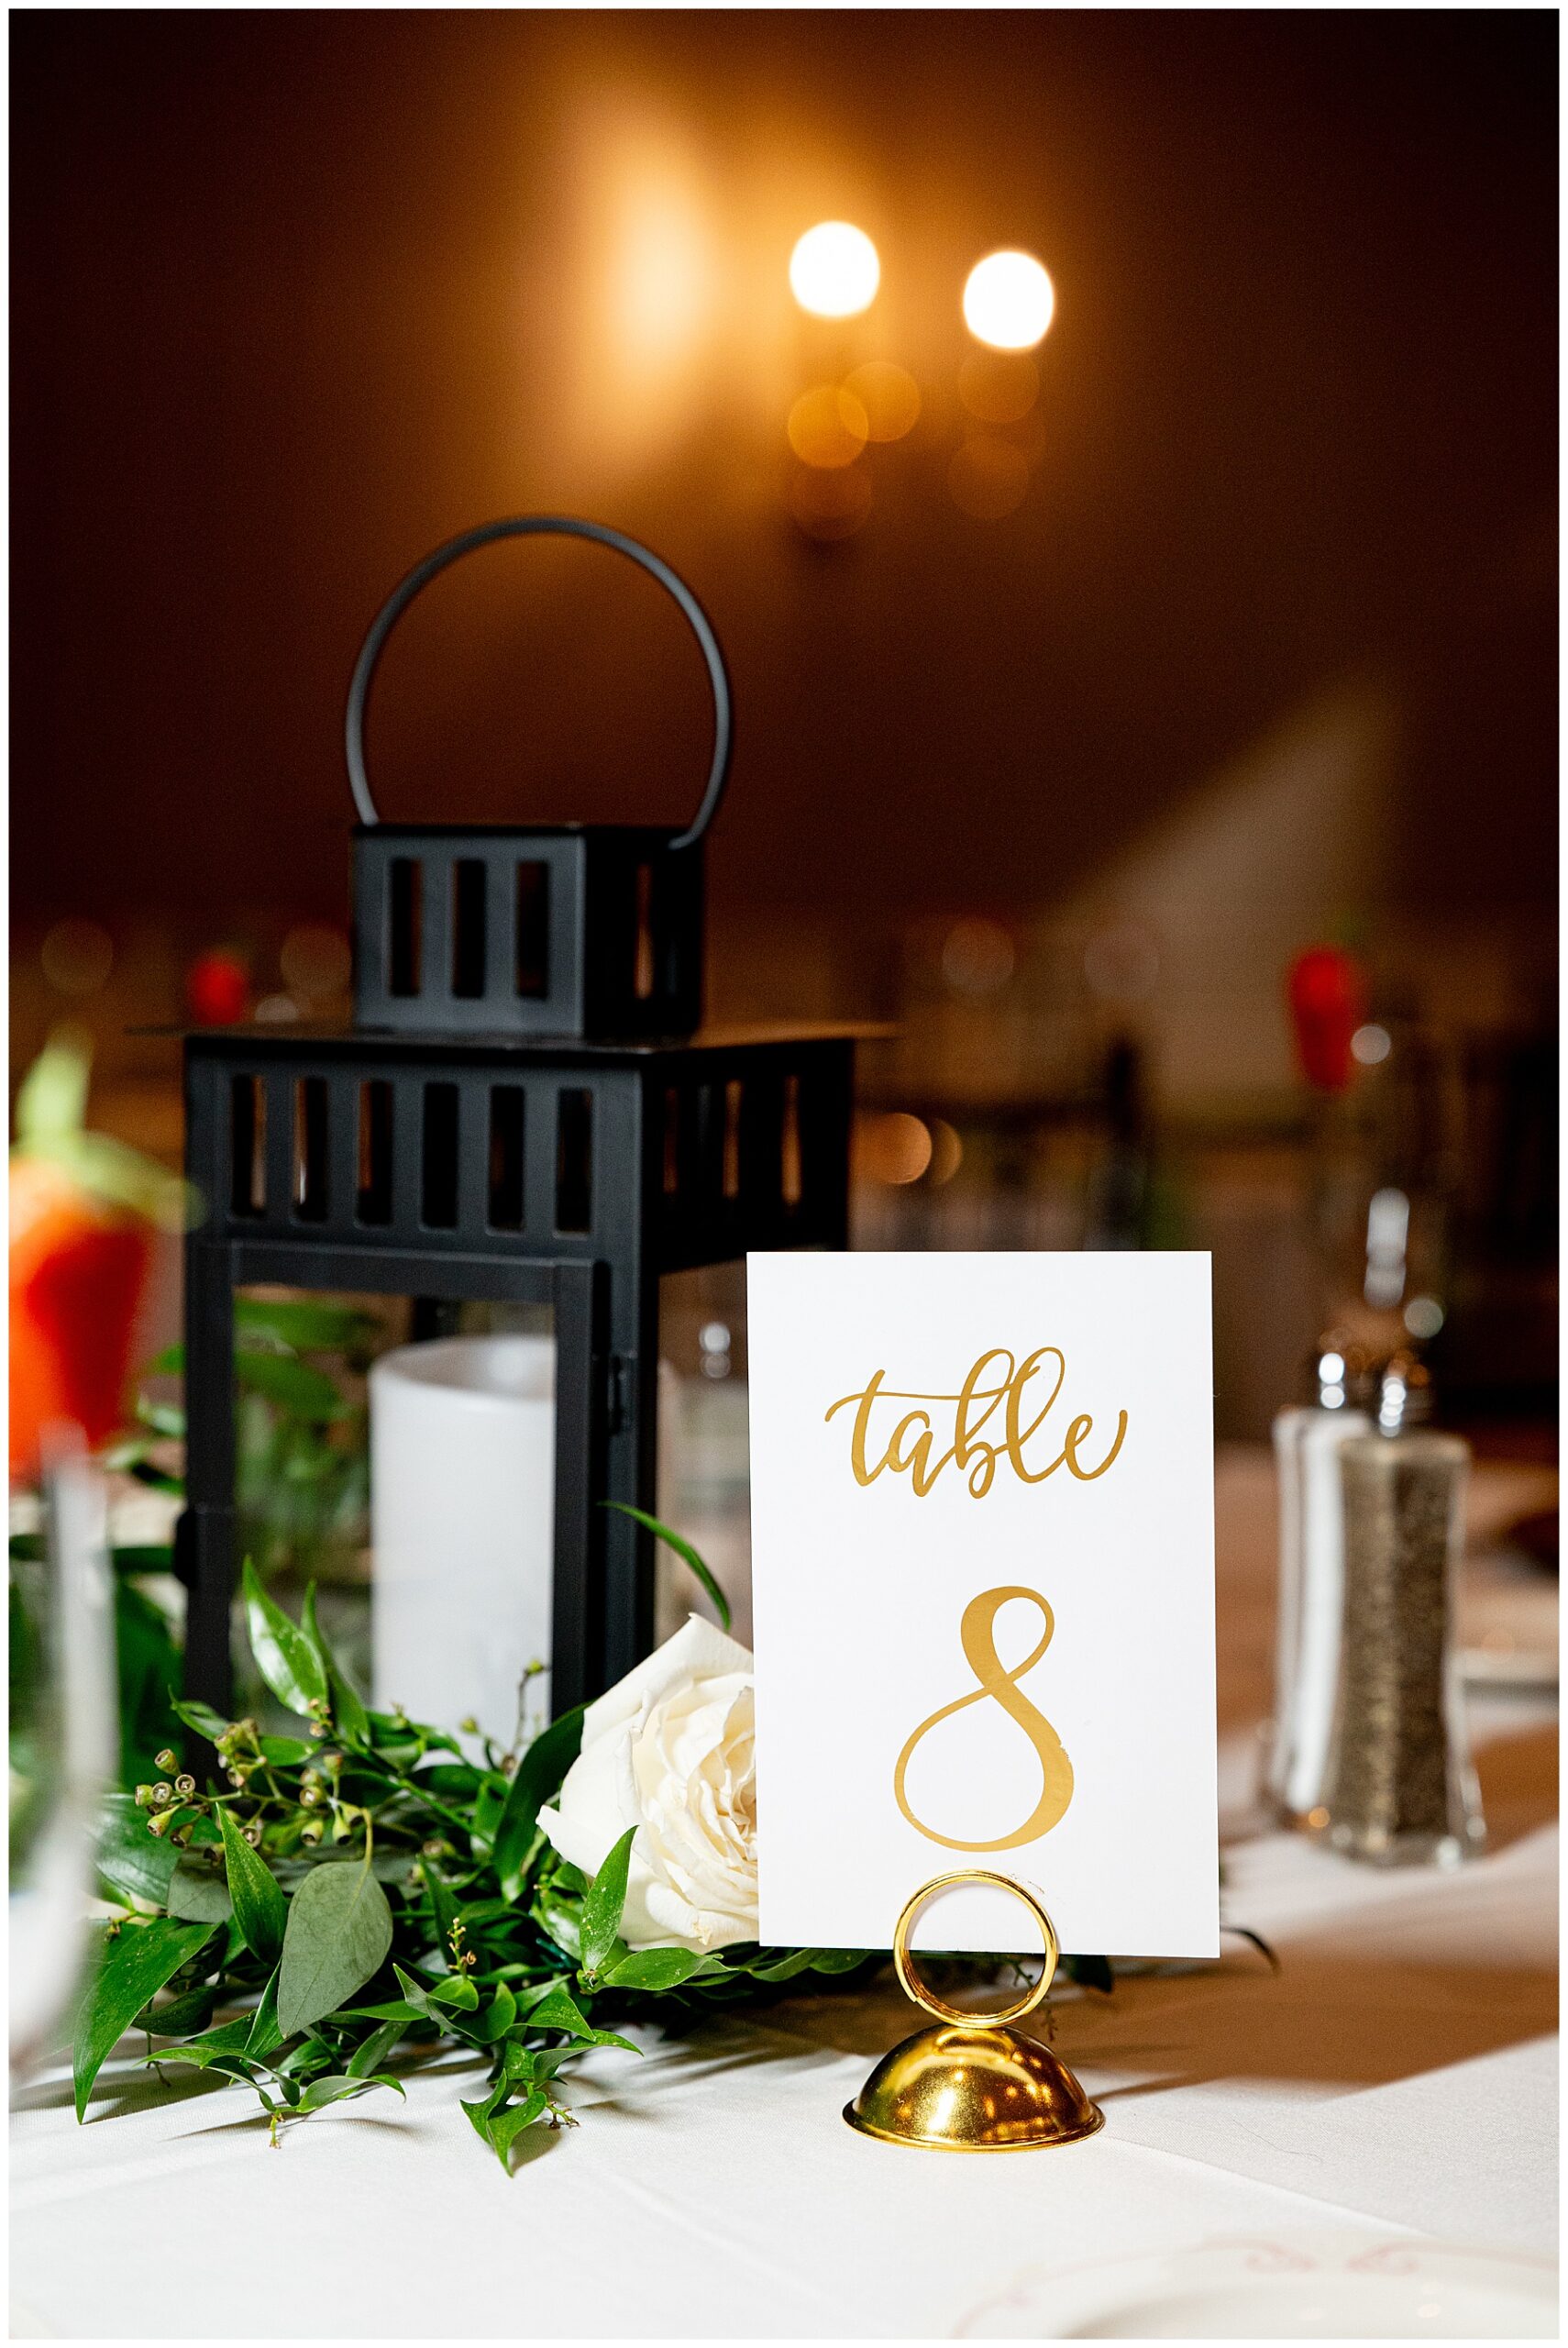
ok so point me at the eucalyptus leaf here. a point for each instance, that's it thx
(198, 1894)
(537, 1775)
(603, 1900)
(135, 1964)
(339, 1931)
(137, 1863)
(284, 1655)
(260, 1908)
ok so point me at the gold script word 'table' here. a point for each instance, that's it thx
(908, 1449)
(977, 1632)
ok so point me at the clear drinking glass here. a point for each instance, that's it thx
(64, 1741)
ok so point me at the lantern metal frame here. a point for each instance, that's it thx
(520, 1123)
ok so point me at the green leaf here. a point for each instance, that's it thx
(201, 1717)
(348, 1714)
(228, 2038)
(284, 1655)
(497, 2018)
(293, 1386)
(339, 1931)
(479, 2113)
(137, 1863)
(181, 2016)
(198, 1894)
(685, 1552)
(374, 2050)
(537, 1775)
(560, 2011)
(653, 1970)
(265, 2037)
(285, 1752)
(260, 1908)
(503, 2127)
(602, 1903)
(337, 2087)
(136, 1964)
(457, 1991)
(443, 1907)
(309, 1328)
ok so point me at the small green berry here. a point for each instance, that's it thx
(167, 1760)
(163, 1794)
(187, 1786)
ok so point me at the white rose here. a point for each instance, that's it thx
(670, 1750)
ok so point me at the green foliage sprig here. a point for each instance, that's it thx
(365, 1892)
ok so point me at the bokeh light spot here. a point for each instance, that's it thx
(828, 426)
(890, 396)
(314, 960)
(1009, 301)
(1370, 1044)
(892, 1148)
(77, 956)
(977, 957)
(988, 478)
(946, 1150)
(834, 270)
(999, 386)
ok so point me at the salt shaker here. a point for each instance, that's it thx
(1306, 1441)
(1400, 1788)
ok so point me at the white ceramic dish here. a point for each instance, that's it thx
(1287, 2287)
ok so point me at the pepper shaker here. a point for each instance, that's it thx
(1400, 1788)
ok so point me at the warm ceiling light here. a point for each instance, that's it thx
(1007, 301)
(834, 270)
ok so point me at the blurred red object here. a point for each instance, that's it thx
(85, 1215)
(78, 1271)
(1328, 1003)
(217, 989)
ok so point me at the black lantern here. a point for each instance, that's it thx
(524, 1111)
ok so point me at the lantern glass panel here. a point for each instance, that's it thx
(704, 1482)
(399, 1452)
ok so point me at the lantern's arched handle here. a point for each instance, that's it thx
(548, 525)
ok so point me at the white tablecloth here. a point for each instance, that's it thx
(1397, 2076)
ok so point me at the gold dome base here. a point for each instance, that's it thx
(973, 2089)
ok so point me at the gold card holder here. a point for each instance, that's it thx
(973, 2084)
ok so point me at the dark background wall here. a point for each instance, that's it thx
(297, 294)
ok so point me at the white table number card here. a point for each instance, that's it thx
(983, 1593)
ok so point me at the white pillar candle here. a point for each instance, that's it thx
(462, 1524)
